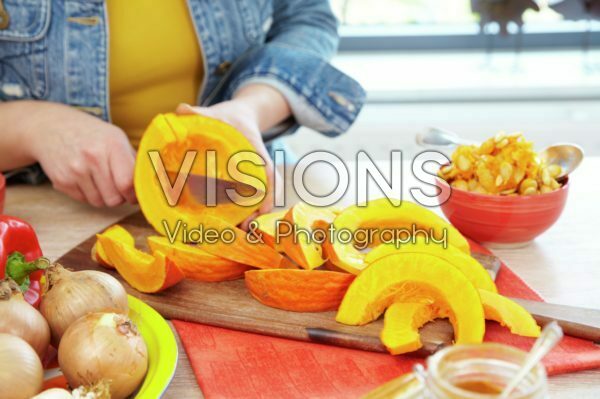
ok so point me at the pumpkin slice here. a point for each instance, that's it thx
(509, 314)
(300, 245)
(415, 277)
(144, 272)
(474, 271)
(173, 136)
(197, 264)
(401, 325)
(298, 290)
(118, 233)
(266, 225)
(382, 214)
(241, 250)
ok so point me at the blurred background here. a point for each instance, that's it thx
(476, 67)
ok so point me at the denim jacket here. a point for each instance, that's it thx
(57, 50)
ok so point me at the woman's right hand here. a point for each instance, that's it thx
(84, 157)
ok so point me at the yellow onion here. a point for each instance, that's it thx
(21, 372)
(104, 347)
(71, 295)
(98, 391)
(21, 319)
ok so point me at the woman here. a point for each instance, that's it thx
(81, 79)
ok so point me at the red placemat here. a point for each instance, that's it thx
(234, 364)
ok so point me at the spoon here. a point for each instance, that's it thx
(567, 156)
(548, 339)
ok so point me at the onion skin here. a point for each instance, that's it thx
(54, 393)
(104, 347)
(21, 319)
(71, 295)
(21, 371)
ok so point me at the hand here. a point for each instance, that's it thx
(84, 157)
(238, 115)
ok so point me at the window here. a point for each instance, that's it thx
(452, 24)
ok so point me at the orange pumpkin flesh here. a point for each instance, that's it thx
(381, 214)
(299, 246)
(415, 278)
(144, 272)
(401, 325)
(241, 250)
(472, 269)
(298, 290)
(173, 136)
(118, 233)
(509, 314)
(197, 264)
(266, 225)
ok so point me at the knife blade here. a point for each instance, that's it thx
(212, 191)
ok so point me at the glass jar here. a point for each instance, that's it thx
(468, 372)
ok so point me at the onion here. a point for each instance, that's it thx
(21, 372)
(104, 347)
(99, 391)
(71, 295)
(21, 319)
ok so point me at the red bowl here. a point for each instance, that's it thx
(2, 190)
(502, 221)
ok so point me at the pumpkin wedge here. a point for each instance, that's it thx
(197, 264)
(118, 233)
(401, 325)
(173, 137)
(144, 272)
(415, 277)
(241, 250)
(509, 314)
(384, 214)
(266, 225)
(299, 244)
(474, 271)
(298, 290)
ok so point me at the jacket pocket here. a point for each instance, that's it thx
(23, 50)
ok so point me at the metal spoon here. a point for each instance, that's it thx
(567, 156)
(548, 339)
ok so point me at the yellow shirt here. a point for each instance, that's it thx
(155, 61)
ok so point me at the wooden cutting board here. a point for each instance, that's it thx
(229, 305)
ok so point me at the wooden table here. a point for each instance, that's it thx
(563, 265)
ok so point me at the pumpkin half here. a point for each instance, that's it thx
(197, 264)
(298, 290)
(472, 269)
(414, 277)
(173, 137)
(383, 214)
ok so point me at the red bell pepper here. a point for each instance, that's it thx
(21, 257)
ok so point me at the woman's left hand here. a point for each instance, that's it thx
(239, 115)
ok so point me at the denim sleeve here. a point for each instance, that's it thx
(294, 60)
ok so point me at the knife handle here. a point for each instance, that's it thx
(575, 321)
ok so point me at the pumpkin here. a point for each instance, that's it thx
(197, 264)
(144, 272)
(471, 268)
(300, 245)
(241, 250)
(382, 214)
(415, 277)
(173, 136)
(266, 225)
(118, 233)
(298, 290)
(509, 314)
(401, 325)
